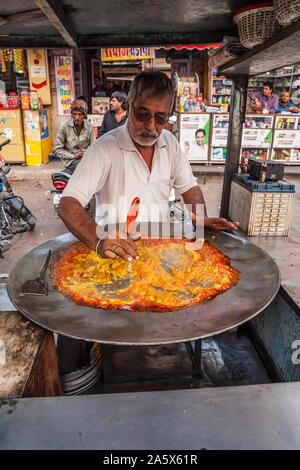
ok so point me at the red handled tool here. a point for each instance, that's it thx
(132, 215)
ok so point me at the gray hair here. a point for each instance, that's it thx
(151, 83)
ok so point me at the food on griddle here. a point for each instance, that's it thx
(167, 276)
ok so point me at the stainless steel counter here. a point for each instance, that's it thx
(248, 417)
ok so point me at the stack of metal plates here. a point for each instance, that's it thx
(79, 381)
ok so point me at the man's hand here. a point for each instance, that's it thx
(220, 224)
(79, 155)
(118, 244)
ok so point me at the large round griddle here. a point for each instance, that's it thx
(258, 284)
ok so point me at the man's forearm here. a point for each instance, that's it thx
(63, 154)
(78, 221)
(194, 196)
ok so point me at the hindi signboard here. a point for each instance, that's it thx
(64, 83)
(116, 54)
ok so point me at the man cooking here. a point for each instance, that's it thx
(264, 101)
(285, 104)
(139, 159)
(74, 136)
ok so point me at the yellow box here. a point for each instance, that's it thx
(37, 130)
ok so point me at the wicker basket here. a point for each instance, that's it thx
(287, 11)
(256, 24)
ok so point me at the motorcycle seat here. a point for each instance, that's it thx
(63, 173)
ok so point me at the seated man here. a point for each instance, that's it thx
(285, 104)
(139, 159)
(116, 116)
(74, 136)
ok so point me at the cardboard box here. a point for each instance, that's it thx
(13, 153)
(37, 136)
(12, 128)
(100, 105)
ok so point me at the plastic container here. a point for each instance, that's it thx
(256, 24)
(34, 100)
(286, 11)
(262, 209)
(4, 100)
(25, 99)
(13, 100)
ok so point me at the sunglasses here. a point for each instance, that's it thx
(143, 116)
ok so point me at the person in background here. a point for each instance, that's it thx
(264, 101)
(285, 104)
(74, 136)
(99, 89)
(116, 116)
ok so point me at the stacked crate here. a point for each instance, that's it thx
(262, 209)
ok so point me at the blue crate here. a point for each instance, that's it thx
(253, 185)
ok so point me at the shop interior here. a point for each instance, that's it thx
(31, 108)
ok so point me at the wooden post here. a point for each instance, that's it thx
(235, 131)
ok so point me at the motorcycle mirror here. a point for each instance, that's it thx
(172, 119)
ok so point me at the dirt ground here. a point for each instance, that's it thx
(48, 224)
(33, 189)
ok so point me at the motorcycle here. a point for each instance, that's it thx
(15, 217)
(60, 180)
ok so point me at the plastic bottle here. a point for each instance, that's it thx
(34, 102)
(13, 100)
(25, 99)
(4, 100)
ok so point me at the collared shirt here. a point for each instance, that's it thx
(284, 109)
(69, 143)
(114, 170)
(271, 102)
(109, 122)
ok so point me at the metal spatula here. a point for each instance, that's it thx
(122, 283)
(38, 286)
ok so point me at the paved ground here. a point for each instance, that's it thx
(32, 184)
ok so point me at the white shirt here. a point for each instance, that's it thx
(114, 170)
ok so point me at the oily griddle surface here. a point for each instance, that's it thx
(258, 284)
(170, 274)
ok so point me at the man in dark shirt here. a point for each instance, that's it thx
(116, 116)
(99, 89)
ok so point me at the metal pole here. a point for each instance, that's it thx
(236, 120)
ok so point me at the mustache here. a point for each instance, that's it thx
(148, 134)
